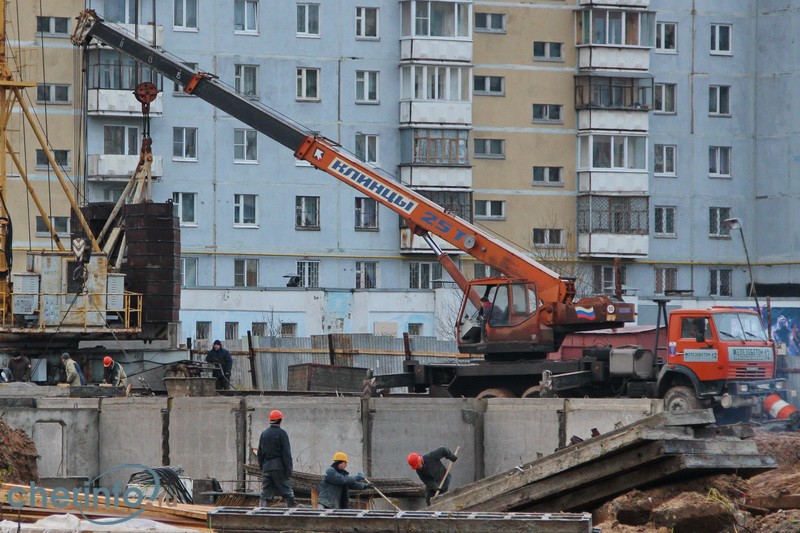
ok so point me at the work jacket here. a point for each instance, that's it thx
(115, 375)
(334, 491)
(20, 368)
(432, 470)
(274, 451)
(221, 357)
(74, 374)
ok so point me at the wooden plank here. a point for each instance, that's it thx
(784, 501)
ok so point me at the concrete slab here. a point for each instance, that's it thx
(583, 414)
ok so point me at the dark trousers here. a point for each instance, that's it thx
(431, 492)
(223, 382)
(275, 481)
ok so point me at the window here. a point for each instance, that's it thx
(120, 140)
(231, 331)
(604, 279)
(545, 51)
(615, 27)
(716, 222)
(454, 201)
(245, 272)
(495, 209)
(188, 272)
(288, 329)
(415, 329)
(614, 92)
(664, 225)
(547, 113)
(666, 37)
(435, 147)
(423, 274)
(490, 148)
(202, 330)
(666, 279)
(664, 98)
(550, 238)
(435, 19)
(719, 161)
(60, 226)
(489, 85)
(434, 82)
(245, 16)
(307, 20)
(184, 144)
(61, 156)
(366, 86)
(366, 274)
(620, 215)
(245, 210)
(613, 151)
(720, 282)
(185, 15)
(367, 147)
(124, 11)
(245, 80)
(307, 79)
(490, 22)
(721, 39)
(245, 145)
(178, 88)
(547, 175)
(367, 22)
(259, 329)
(719, 100)
(52, 93)
(366, 214)
(665, 159)
(112, 193)
(307, 212)
(183, 207)
(309, 273)
(53, 26)
(481, 270)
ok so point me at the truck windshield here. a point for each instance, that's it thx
(739, 326)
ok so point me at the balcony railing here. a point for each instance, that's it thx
(118, 76)
(628, 94)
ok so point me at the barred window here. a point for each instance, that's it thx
(613, 214)
(455, 202)
(720, 282)
(666, 279)
(440, 147)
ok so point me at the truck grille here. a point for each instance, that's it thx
(748, 372)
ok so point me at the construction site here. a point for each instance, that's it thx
(503, 388)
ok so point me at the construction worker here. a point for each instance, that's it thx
(431, 471)
(221, 357)
(275, 461)
(73, 370)
(334, 491)
(20, 367)
(113, 373)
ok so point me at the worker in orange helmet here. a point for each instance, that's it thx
(275, 461)
(431, 471)
(113, 373)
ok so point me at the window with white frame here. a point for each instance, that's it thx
(547, 113)
(548, 51)
(288, 329)
(52, 93)
(245, 16)
(613, 151)
(434, 82)
(307, 83)
(112, 193)
(667, 37)
(188, 272)
(605, 281)
(424, 274)
(720, 282)
(231, 331)
(124, 11)
(366, 86)
(721, 39)
(60, 226)
(184, 144)
(719, 100)
(202, 331)
(245, 272)
(367, 22)
(308, 271)
(245, 210)
(245, 80)
(666, 279)
(716, 222)
(177, 88)
(62, 158)
(306, 212)
(665, 159)
(445, 147)
(245, 146)
(307, 20)
(615, 27)
(548, 237)
(435, 19)
(183, 207)
(719, 161)
(489, 85)
(366, 274)
(664, 97)
(548, 175)
(121, 140)
(55, 26)
(366, 214)
(490, 148)
(490, 209)
(490, 22)
(482, 270)
(664, 223)
(184, 15)
(367, 147)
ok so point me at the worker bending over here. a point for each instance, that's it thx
(431, 471)
(275, 461)
(334, 491)
(113, 373)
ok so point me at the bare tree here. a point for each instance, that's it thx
(563, 257)
(448, 304)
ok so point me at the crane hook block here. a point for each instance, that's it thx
(146, 92)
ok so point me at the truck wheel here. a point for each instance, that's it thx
(532, 392)
(680, 399)
(496, 393)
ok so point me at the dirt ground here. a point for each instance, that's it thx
(17, 456)
(713, 504)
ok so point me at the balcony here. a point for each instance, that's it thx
(119, 103)
(436, 176)
(435, 49)
(619, 103)
(436, 112)
(152, 34)
(112, 167)
(613, 181)
(612, 59)
(414, 244)
(612, 245)
(613, 225)
(615, 3)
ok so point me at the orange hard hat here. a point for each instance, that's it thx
(107, 361)
(275, 415)
(414, 460)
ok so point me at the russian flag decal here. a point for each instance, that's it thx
(586, 313)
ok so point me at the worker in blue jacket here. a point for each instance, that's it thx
(334, 491)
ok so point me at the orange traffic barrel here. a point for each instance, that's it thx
(780, 409)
